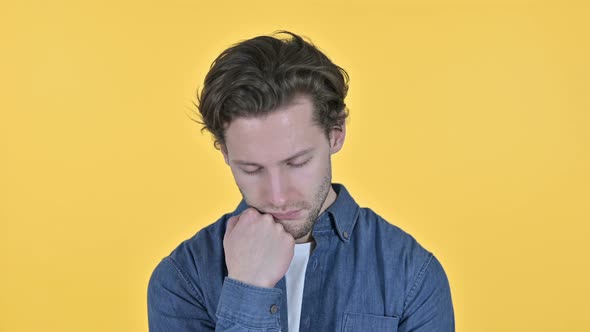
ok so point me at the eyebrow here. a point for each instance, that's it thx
(296, 155)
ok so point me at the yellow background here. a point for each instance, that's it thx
(469, 129)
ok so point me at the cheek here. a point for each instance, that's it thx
(243, 181)
(307, 179)
(251, 187)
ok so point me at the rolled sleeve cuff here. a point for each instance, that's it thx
(248, 305)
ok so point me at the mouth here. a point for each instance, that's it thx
(289, 215)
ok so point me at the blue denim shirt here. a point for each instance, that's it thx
(363, 275)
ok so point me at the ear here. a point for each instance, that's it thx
(337, 136)
(223, 150)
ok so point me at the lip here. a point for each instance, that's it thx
(286, 215)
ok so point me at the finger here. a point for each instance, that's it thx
(231, 223)
(250, 214)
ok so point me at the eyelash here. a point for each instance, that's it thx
(292, 165)
(252, 172)
(301, 164)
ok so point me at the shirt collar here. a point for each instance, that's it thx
(344, 212)
(341, 215)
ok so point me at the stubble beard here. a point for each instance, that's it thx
(298, 229)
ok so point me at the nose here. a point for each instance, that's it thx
(277, 188)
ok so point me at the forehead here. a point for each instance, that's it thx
(276, 136)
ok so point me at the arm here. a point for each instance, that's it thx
(175, 304)
(257, 255)
(428, 306)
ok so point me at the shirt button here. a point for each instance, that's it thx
(345, 234)
(273, 309)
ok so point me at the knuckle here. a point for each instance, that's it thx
(279, 226)
(248, 214)
(267, 218)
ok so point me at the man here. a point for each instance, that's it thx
(298, 254)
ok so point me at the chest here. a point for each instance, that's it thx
(348, 287)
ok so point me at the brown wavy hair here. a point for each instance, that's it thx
(258, 75)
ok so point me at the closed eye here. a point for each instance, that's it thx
(294, 165)
(256, 171)
(300, 164)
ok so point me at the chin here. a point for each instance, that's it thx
(297, 228)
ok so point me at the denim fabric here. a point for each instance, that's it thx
(363, 275)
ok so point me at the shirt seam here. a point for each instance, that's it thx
(419, 279)
(182, 275)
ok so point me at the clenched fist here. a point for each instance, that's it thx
(258, 250)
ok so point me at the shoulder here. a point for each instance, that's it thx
(207, 239)
(198, 256)
(388, 235)
(392, 243)
(413, 275)
(187, 280)
(424, 275)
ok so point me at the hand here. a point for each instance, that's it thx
(258, 250)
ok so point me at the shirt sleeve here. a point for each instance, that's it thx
(249, 306)
(428, 306)
(175, 304)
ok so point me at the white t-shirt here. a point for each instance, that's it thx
(295, 279)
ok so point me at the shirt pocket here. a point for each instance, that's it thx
(353, 322)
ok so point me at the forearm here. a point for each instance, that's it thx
(175, 304)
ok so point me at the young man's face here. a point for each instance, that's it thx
(281, 164)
